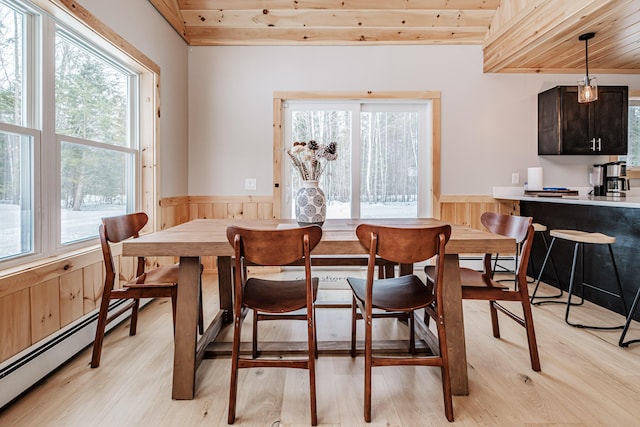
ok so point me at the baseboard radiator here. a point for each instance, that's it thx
(24, 370)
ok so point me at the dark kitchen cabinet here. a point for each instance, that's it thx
(567, 127)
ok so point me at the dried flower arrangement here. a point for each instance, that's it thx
(310, 159)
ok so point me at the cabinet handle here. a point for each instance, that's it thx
(593, 144)
(599, 144)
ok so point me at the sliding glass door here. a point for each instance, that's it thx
(383, 164)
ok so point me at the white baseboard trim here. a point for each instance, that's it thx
(22, 371)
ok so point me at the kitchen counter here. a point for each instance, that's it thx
(632, 199)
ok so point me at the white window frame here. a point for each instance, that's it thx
(39, 121)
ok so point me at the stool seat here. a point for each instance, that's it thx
(537, 227)
(583, 237)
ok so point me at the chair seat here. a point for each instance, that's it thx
(396, 294)
(166, 276)
(277, 296)
(583, 236)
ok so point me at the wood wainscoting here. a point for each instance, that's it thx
(464, 209)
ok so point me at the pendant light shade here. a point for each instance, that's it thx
(587, 88)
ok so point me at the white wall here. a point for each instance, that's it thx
(141, 25)
(489, 121)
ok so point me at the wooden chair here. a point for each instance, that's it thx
(157, 282)
(273, 248)
(482, 286)
(404, 294)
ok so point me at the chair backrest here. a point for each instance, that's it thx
(273, 247)
(115, 229)
(518, 227)
(404, 245)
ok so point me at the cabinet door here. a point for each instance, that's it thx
(608, 120)
(576, 138)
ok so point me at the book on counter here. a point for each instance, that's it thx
(551, 192)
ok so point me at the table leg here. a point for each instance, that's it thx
(184, 356)
(452, 295)
(225, 287)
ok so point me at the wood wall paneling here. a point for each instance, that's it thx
(71, 300)
(45, 309)
(92, 286)
(15, 323)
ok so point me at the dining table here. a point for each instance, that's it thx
(194, 239)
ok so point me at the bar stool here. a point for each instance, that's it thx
(632, 310)
(580, 238)
(540, 230)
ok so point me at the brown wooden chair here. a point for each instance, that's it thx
(273, 248)
(157, 282)
(404, 294)
(482, 286)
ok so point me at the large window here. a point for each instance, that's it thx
(633, 158)
(93, 98)
(68, 141)
(383, 164)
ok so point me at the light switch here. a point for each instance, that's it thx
(250, 183)
(515, 178)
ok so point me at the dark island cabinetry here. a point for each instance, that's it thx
(566, 126)
(620, 222)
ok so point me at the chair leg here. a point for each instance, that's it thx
(174, 307)
(412, 333)
(311, 337)
(235, 355)
(494, 319)
(353, 326)
(200, 310)
(254, 345)
(531, 333)
(102, 324)
(134, 317)
(368, 364)
(632, 310)
(315, 332)
(446, 376)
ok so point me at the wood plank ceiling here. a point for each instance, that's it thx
(516, 35)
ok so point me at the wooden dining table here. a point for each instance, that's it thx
(207, 237)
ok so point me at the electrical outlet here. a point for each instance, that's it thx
(250, 183)
(515, 178)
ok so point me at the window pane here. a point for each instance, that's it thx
(16, 195)
(91, 95)
(93, 185)
(389, 178)
(633, 158)
(11, 56)
(325, 127)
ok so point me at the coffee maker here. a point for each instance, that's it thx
(615, 179)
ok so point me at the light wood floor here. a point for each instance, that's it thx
(586, 379)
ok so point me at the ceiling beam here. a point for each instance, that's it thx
(535, 25)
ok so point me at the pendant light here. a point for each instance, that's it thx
(587, 88)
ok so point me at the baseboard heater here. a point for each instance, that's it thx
(24, 370)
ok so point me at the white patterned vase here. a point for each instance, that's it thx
(311, 204)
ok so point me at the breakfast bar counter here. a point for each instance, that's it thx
(618, 217)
